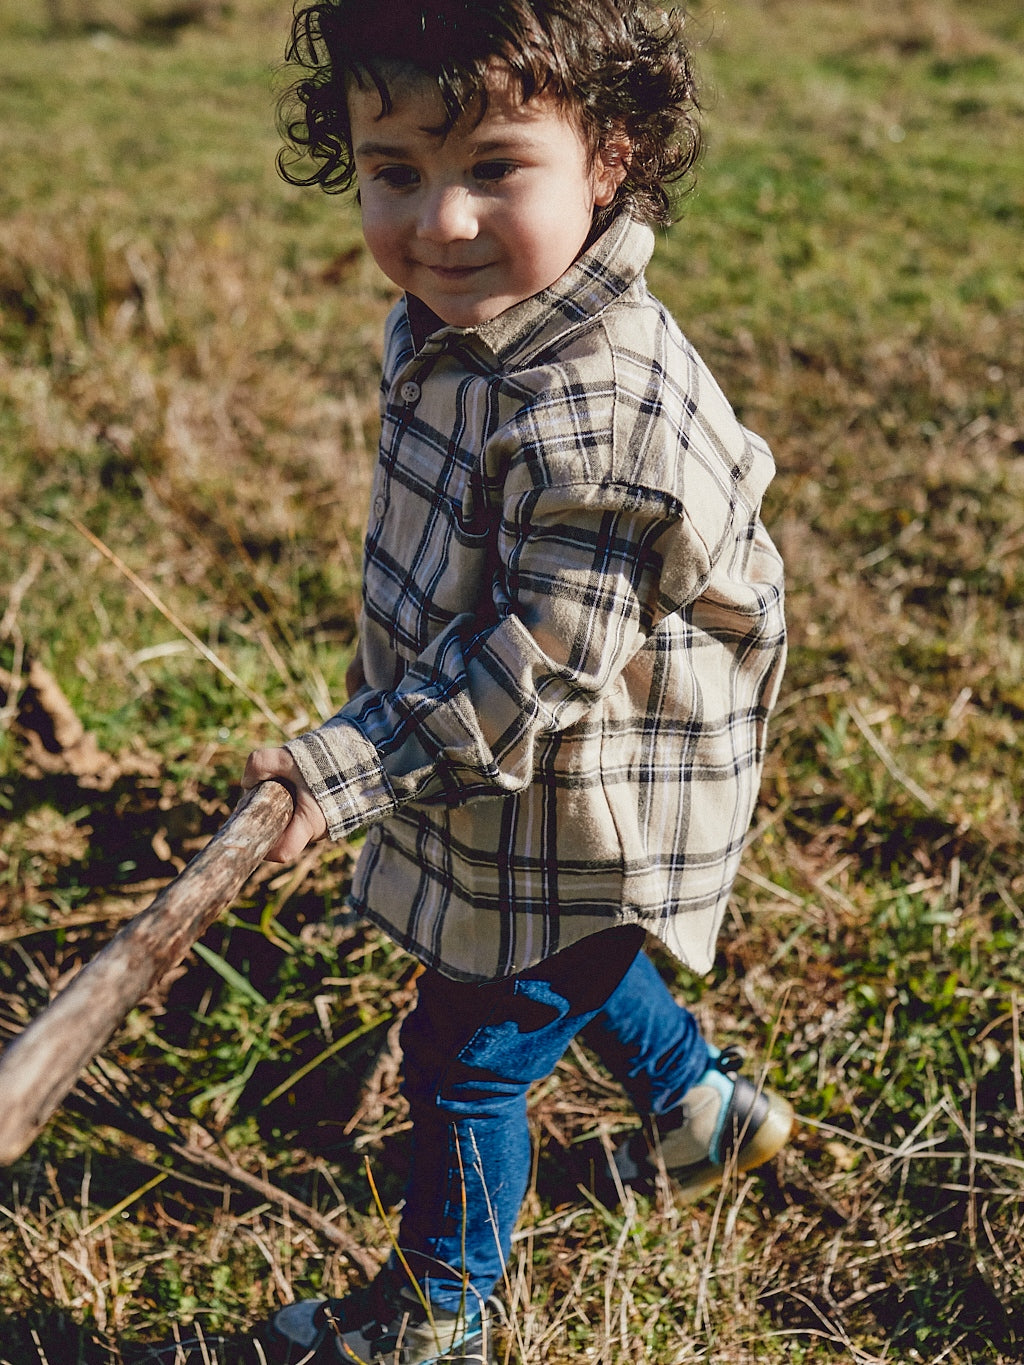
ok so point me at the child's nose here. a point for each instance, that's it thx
(448, 215)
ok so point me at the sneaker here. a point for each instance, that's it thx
(383, 1324)
(724, 1122)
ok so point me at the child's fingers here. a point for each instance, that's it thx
(265, 763)
(307, 824)
(305, 827)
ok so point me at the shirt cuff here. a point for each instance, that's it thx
(344, 774)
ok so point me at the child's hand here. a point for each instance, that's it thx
(307, 824)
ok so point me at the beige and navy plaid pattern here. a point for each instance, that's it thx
(572, 633)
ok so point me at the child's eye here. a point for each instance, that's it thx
(397, 177)
(493, 170)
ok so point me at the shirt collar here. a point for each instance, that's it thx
(602, 274)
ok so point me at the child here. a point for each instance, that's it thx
(572, 629)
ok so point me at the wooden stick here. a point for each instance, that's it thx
(42, 1064)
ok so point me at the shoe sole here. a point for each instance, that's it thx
(481, 1354)
(472, 1353)
(476, 1351)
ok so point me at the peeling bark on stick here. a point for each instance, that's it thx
(42, 1064)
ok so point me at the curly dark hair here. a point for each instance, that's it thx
(622, 66)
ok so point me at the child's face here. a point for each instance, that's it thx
(477, 221)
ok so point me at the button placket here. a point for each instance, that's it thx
(409, 393)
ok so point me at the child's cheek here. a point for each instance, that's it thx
(380, 233)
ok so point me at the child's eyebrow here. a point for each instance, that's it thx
(513, 143)
(380, 149)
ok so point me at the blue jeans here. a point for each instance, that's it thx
(471, 1053)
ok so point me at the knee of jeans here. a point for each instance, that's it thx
(489, 1076)
(458, 1096)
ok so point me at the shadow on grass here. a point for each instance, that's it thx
(50, 1336)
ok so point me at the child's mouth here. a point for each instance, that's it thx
(454, 272)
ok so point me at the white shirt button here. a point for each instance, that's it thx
(380, 505)
(410, 392)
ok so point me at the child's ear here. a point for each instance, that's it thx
(610, 167)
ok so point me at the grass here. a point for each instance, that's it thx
(188, 357)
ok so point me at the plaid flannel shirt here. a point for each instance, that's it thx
(572, 633)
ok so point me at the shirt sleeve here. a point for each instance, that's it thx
(580, 584)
